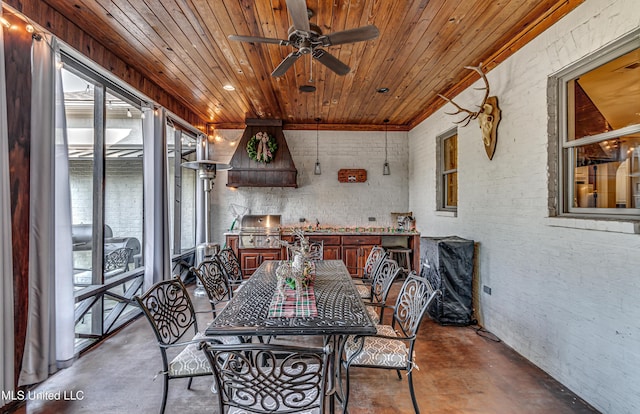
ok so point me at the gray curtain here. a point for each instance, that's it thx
(50, 321)
(6, 262)
(157, 257)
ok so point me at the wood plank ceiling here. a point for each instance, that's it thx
(183, 46)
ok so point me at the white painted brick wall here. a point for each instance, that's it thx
(323, 197)
(564, 297)
(123, 202)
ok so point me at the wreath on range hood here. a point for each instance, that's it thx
(262, 147)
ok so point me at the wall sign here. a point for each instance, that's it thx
(352, 176)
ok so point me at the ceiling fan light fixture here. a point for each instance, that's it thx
(307, 88)
(229, 87)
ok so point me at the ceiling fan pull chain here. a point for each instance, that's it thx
(310, 68)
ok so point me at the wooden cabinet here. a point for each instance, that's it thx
(356, 249)
(352, 249)
(251, 259)
(232, 241)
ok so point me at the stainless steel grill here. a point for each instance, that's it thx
(260, 232)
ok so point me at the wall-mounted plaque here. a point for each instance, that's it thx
(352, 176)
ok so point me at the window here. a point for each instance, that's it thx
(182, 184)
(447, 147)
(599, 133)
(104, 129)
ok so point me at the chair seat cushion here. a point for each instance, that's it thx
(192, 361)
(373, 313)
(383, 352)
(364, 291)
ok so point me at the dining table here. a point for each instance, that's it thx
(336, 311)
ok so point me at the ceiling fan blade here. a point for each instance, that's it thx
(254, 39)
(331, 62)
(298, 12)
(352, 35)
(286, 64)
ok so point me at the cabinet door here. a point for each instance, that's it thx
(249, 261)
(331, 253)
(350, 255)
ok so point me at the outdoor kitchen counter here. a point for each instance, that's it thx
(351, 245)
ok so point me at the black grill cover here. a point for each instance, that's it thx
(447, 262)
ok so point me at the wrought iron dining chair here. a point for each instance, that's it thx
(375, 257)
(374, 260)
(383, 279)
(316, 250)
(392, 347)
(214, 281)
(268, 378)
(168, 308)
(115, 262)
(231, 267)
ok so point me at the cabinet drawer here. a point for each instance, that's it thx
(326, 239)
(361, 240)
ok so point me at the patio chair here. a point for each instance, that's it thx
(214, 282)
(392, 346)
(316, 250)
(170, 312)
(231, 267)
(115, 262)
(268, 378)
(374, 259)
(381, 284)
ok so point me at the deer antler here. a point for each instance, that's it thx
(470, 114)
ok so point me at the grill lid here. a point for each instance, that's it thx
(254, 223)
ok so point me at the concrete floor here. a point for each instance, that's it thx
(460, 371)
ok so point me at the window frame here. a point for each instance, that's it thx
(441, 192)
(561, 154)
(91, 300)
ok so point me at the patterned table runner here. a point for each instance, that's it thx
(291, 307)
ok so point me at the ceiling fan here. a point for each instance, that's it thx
(308, 39)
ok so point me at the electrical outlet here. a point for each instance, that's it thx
(486, 289)
(372, 219)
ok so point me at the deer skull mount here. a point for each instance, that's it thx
(488, 115)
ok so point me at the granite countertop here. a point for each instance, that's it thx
(348, 231)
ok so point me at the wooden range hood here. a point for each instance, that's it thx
(245, 172)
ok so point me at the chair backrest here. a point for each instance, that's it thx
(230, 265)
(117, 259)
(383, 278)
(316, 250)
(374, 259)
(268, 378)
(214, 281)
(415, 297)
(169, 309)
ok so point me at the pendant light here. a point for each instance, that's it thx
(317, 170)
(385, 169)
